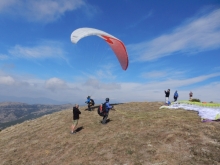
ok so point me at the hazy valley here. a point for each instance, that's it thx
(15, 112)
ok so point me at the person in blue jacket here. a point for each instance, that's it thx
(88, 101)
(175, 96)
(107, 109)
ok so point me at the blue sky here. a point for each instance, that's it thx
(171, 44)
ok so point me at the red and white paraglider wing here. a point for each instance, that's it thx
(117, 46)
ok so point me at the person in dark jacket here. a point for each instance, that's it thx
(190, 95)
(107, 109)
(76, 113)
(167, 94)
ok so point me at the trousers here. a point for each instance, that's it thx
(105, 117)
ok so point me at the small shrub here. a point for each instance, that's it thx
(130, 152)
(195, 100)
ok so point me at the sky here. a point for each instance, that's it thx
(171, 44)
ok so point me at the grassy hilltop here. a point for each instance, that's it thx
(137, 133)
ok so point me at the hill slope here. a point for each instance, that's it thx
(138, 133)
(13, 112)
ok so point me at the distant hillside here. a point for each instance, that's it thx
(29, 100)
(136, 134)
(14, 112)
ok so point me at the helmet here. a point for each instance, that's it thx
(88, 97)
(107, 99)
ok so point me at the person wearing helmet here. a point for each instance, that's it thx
(88, 102)
(175, 96)
(107, 108)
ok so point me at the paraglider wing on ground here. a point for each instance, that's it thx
(209, 113)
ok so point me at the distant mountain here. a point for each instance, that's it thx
(14, 112)
(29, 100)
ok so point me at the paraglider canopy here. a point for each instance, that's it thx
(117, 45)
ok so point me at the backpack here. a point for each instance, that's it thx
(92, 102)
(169, 103)
(102, 109)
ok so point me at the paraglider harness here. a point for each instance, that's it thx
(91, 102)
(102, 109)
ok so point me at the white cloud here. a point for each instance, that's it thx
(55, 84)
(217, 68)
(39, 10)
(174, 83)
(6, 80)
(159, 75)
(103, 72)
(208, 92)
(7, 66)
(3, 57)
(154, 91)
(4, 4)
(96, 84)
(140, 20)
(45, 49)
(107, 74)
(76, 92)
(194, 36)
(154, 74)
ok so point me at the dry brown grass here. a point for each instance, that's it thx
(138, 133)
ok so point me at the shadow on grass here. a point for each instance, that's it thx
(107, 121)
(79, 129)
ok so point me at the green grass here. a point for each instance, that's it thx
(203, 104)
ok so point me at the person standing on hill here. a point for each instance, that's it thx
(107, 108)
(76, 113)
(190, 95)
(175, 96)
(90, 103)
(167, 94)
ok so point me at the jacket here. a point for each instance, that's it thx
(76, 113)
(88, 101)
(108, 107)
(167, 93)
(176, 94)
